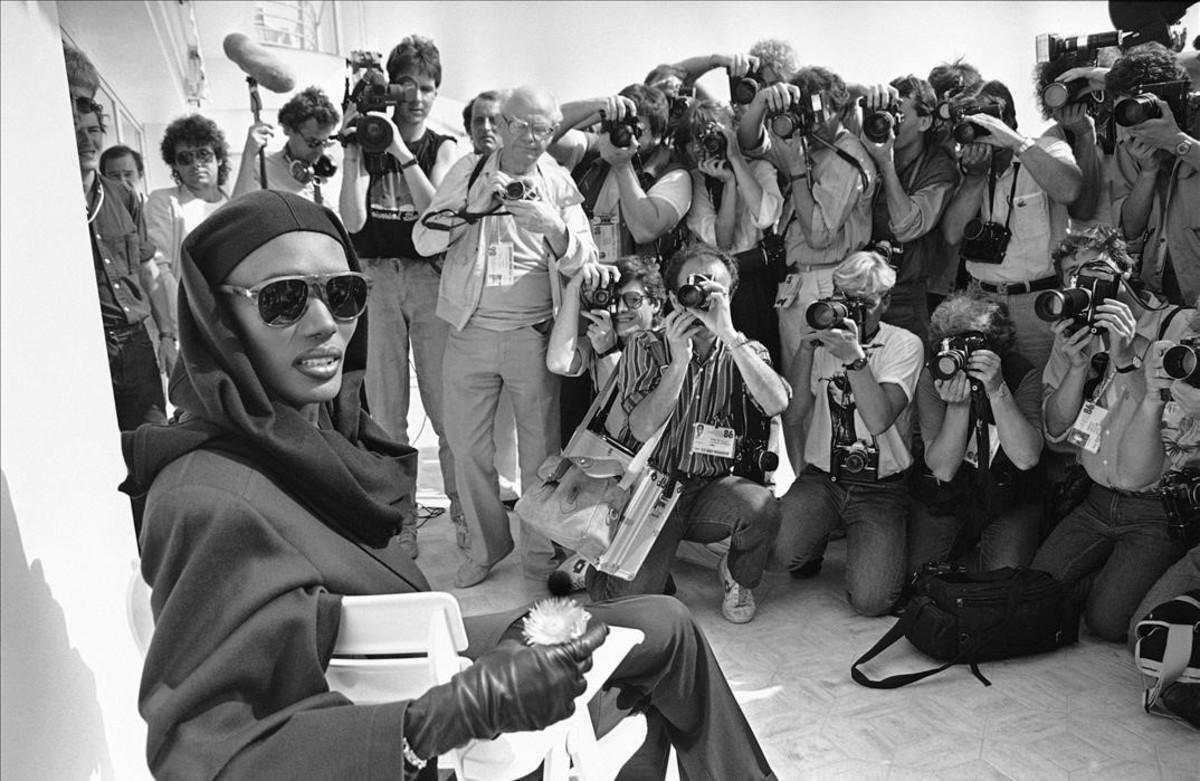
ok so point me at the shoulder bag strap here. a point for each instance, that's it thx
(895, 633)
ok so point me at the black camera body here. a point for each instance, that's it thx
(954, 352)
(713, 141)
(985, 242)
(374, 92)
(1181, 500)
(877, 124)
(692, 294)
(829, 312)
(519, 190)
(1182, 361)
(623, 132)
(742, 89)
(602, 297)
(804, 117)
(679, 103)
(1141, 107)
(857, 462)
(1089, 288)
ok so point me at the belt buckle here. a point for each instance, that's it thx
(1002, 288)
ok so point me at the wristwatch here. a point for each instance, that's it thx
(858, 364)
(1183, 147)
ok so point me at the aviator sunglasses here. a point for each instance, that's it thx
(202, 155)
(282, 301)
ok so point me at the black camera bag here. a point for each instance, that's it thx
(963, 618)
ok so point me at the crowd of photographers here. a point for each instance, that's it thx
(981, 345)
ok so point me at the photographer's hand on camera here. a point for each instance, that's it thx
(716, 315)
(1161, 132)
(954, 391)
(1094, 75)
(1145, 154)
(600, 331)
(680, 326)
(1075, 118)
(975, 159)
(1187, 397)
(842, 342)
(717, 169)
(540, 217)
(999, 134)
(984, 365)
(1116, 318)
(617, 156)
(1072, 343)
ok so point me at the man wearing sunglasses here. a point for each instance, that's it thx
(505, 251)
(304, 165)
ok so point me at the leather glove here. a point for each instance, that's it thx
(510, 689)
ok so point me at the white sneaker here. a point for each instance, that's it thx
(738, 604)
(568, 577)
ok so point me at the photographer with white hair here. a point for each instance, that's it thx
(853, 378)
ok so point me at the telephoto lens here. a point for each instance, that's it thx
(826, 314)
(1136, 110)
(1060, 304)
(1056, 95)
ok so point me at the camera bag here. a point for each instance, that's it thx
(1168, 651)
(964, 618)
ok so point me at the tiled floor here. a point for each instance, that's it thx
(1073, 714)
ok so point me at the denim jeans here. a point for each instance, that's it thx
(403, 299)
(136, 383)
(709, 510)
(874, 517)
(1109, 551)
(1008, 540)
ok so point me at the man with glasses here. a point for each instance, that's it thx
(303, 166)
(510, 223)
(382, 196)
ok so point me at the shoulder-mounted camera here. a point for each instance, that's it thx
(373, 92)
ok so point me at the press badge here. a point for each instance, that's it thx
(971, 456)
(608, 238)
(499, 264)
(1085, 431)
(712, 441)
(789, 288)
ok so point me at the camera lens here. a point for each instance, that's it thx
(374, 134)
(766, 461)
(1058, 304)
(877, 125)
(965, 132)
(743, 90)
(1136, 110)
(713, 142)
(784, 125)
(948, 363)
(1056, 95)
(516, 190)
(1181, 363)
(855, 462)
(692, 296)
(826, 314)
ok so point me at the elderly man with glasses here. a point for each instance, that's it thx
(510, 223)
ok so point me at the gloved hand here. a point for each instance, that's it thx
(510, 689)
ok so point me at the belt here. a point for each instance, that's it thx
(892, 478)
(122, 331)
(1017, 288)
(805, 268)
(1153, 493)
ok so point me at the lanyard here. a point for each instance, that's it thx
(1012, 193)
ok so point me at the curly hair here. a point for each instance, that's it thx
(1149, 63)
(309, 103)
(778, 55)
(974, 311)
(1046, 73)
(815, 79)
(951, 78)
(693, 122)
(199, 131)
(651, 106)
(998, 93)
(639, 268)
(699, 250)
(1104, 240)
(418, 54)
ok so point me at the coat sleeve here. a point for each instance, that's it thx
(233, 684)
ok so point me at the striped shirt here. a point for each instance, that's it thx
(711, 391)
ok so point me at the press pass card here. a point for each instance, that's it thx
(1085, 432)
(713, 440)
(499, 264)
(788, 290)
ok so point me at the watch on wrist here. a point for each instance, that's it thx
(1183, 147)
(858, 364)
(1026, 145)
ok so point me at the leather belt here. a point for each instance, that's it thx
(1017, 288)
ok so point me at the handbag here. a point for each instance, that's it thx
(963, 618)
(598, 498)
(1168, 651)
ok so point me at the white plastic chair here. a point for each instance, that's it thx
(422, 634)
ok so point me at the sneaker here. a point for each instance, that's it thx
(408, 541)
(569, 577)
(738, 604)
(462, 533)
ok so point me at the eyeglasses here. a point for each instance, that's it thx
(632, 300)
(319, 143)
(202, 155)
(282, 301)
(539, 131)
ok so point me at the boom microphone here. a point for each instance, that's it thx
(258, 63)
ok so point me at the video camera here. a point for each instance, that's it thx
(692, 294)
(1090, 286)
(954, 352)
(804, 117)
(877, 124)
(829, 312)
(622, 132)
(1182, 361)
(742, 89)
(956, 113)
(602, 297)
(1137, 109)
(1049, 47)
(373, 92)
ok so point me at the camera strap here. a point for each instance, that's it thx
(1012, 193)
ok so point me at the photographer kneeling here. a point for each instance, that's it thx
(853, 378)
(978, 395)
(692, 376)
(1116, 542)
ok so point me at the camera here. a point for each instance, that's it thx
(954, 352)
(985, 242)
(1049, 47)
(891, 251)
(1182, 361)
(1136, 110)
(804, 117)
(857, 462)
(742, 89)
(519, 190)
(692, 294)
(712, 141)
(603, 297)
(830, 312)
(877, 124)
(1057, 94)
(622, 132)
(679, 103)
(964, 130)
(373, 92)
(1181, 500)
(1089, 288)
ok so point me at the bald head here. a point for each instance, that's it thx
(532, 100)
